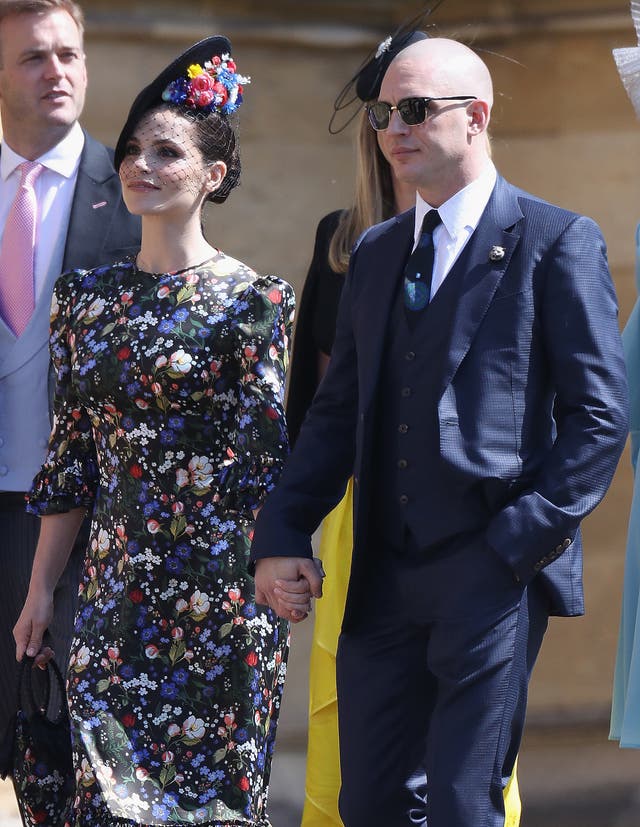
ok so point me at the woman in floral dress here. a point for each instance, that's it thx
(169, 425)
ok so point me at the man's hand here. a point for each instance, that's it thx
(287, 584)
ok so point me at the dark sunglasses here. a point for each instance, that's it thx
(413, 111)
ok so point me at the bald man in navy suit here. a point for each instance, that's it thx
(481, 426)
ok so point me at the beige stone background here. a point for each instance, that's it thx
(562, 128)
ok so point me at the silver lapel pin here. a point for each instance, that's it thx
(496, 253)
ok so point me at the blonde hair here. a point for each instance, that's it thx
(374, 198)
(9, 8)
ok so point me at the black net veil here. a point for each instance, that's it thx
(180, 137)
(172, 149)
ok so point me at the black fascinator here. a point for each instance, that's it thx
(152, 95)
(201, 81)
(365, 84)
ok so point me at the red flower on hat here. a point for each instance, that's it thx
(221, 92)
(202, 82)
(205, 98)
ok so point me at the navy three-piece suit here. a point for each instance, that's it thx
(478, 438)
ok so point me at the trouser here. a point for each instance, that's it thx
(432, 676)
(18, 538)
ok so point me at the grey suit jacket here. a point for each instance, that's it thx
(100, 230)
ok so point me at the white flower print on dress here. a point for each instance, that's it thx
(171, 429)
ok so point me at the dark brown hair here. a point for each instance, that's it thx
(216, 139)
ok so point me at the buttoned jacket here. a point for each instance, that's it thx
(533, 404)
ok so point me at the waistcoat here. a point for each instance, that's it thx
(413, 490)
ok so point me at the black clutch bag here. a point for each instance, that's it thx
(42, 765)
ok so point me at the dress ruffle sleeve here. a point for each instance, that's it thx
(255, 459)
(69, 475)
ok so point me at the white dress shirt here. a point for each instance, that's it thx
(460, 216)
(54, 193)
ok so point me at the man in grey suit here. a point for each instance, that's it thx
(80, 221)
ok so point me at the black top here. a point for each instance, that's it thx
(315, 325)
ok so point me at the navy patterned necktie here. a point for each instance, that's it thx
(418, 272)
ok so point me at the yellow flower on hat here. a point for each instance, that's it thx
(194, 70)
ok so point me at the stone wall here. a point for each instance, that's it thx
(562, 127)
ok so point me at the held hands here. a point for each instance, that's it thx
(30, 627)
(287, 584)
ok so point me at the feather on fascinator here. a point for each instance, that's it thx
(628, 62)
(365, 83)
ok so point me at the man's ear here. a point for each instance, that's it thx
(479, 114)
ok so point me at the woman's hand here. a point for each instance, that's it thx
(30, 627)
(57, 533)
(287, 584)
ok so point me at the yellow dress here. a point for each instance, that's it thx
(322, 782)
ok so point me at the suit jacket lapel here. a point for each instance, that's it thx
(375, 303)
(497, 229)
(94, 203)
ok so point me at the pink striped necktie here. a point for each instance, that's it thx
(17, 288)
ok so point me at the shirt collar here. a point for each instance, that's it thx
(63, 158)
(464, 209)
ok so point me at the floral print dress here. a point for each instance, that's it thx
(169, 424)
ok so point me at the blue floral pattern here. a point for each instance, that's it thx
(169, 424)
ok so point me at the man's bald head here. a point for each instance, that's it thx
(449, 148)
(451, 67)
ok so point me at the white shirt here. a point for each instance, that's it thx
(54, 193)
(460, 216)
